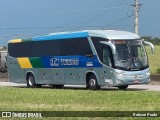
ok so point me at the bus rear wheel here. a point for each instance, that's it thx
(123, 87)
(92, 83)
(31, 81)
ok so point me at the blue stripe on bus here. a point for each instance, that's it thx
(61, 36)
(69, 62)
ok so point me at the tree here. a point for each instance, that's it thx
(4, 48)
(154, 41)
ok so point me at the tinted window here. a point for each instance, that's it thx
(77, 46)
(50, 48)
(22, 49)
(104, 51)
(98, 46)
(107, 56)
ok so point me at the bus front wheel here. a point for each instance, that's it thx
(92, 83)
(31, 81)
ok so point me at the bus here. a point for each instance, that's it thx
(93, 58)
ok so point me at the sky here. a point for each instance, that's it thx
(29, 18)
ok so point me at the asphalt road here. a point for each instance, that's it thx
(131, 87)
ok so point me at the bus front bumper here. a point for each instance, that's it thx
(129, 78)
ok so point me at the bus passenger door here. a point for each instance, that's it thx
(107, 59)
(57, 76)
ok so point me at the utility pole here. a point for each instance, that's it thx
(136, 8)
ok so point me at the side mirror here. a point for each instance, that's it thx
(151, 45)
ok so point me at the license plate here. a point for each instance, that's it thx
(135, 81)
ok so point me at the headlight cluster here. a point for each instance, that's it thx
(120, 75)
(148, 73)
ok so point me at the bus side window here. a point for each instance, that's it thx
(106, 56)
(79, 46)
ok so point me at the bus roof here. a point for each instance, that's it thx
(108, 34)
(62, 35)
(114, 34)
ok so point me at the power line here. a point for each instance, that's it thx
(93, 16)
(120, 20)
(97, 16)
(90, 19)
(87, 19)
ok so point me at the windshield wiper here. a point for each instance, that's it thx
(140, 62)
(129, 65)
(134, 58)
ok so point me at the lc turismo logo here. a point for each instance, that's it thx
(63, 62)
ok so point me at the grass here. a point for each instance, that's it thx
(47, 99)
(154, 59)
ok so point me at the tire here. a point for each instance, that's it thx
(92, 83)
(31, 81)
(123, 87)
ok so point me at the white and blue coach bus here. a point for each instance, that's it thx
(93, 58)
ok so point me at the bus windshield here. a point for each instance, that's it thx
(130, 55)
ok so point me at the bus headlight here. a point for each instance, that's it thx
(120, 75)
(148, 73)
